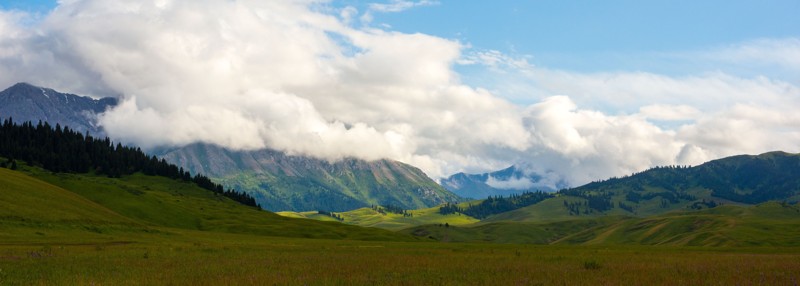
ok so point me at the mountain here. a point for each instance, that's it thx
(278, 181)
(736, 180)
(743, 179)
(744, 200)
(512, 180)
(297, 183)
(25, 102)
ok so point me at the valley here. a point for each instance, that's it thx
(399, 142)
(82, 210)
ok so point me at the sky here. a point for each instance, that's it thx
(572, 90)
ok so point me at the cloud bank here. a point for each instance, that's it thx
(299, 77)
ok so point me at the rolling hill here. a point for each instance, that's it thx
(40, 205)
(380, 217)
(736, 201)
(767, 224)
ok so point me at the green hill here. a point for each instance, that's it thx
(41, 205)
(25, 198)
(739, 180)
(772, 224)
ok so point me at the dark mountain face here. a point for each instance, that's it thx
(297, 183)
(511, 180)
(741, 180)
(279, 182)
(25, 102)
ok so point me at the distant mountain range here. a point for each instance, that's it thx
(277, 181)
(509, 181)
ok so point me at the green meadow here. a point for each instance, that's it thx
(83, 229)
(369, 217)
(204, 258)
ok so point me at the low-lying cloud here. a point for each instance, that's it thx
(299, 77)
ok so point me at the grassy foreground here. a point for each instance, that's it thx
(223, 259)
(62, 229)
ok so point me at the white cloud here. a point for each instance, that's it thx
(286, 75)
(669, 112)
(395, 6)
(615, 123)
(783, 53)
(510, 184)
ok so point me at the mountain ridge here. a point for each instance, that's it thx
(346, 184)
(27, 102)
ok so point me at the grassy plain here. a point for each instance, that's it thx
(203, 258)
(62, 229)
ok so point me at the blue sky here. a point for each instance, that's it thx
(588, 35)
(577, 90)
(36, 6)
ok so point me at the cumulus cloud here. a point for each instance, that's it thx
(300, 77)
(613, 123)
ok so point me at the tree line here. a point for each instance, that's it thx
(62, 150)
(392, 209)
(496, 204)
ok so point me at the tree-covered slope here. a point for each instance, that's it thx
(66, 151)
(738, 180)
(296, 183)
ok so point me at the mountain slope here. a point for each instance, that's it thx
(771, 224)
(509, 181)
(737, 180)
(296, 183)
(25, 102)
(85, 206)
